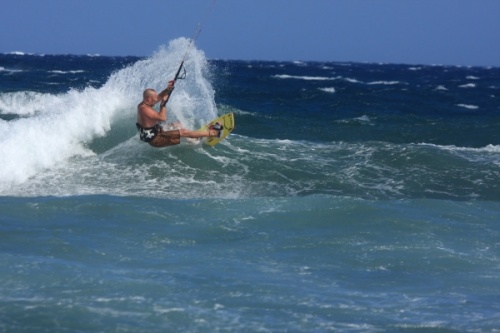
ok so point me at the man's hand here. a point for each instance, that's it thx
(164, 95)
(170, 86)
(164, 100)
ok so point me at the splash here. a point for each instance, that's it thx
(193, 99)
(48, 130)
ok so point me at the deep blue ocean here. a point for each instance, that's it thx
(351, 197)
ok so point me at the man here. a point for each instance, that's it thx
(148, 120)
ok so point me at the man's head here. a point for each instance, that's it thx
(150, 96)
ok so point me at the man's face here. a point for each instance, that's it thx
(153, 96)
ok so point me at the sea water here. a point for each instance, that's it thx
(350, 197)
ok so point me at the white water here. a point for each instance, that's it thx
(53, 128)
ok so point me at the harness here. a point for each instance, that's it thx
(147, 134)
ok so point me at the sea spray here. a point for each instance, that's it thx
(49, 129)
(193, 98)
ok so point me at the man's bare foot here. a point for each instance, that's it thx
(215, 130)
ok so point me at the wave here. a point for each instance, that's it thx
(468, 85)
(487, 149)
(83, 142)
(19, 53)
(330, 90)
(242, 167)
(67, 72)
(324, 78)
(364, 119)
(468, 106)
(55, 128)
(307, 78)
(3, 69)
(384, 83)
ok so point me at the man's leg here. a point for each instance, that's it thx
(198, 134)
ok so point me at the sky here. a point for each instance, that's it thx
(439, 32)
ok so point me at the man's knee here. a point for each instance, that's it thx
(182, 131)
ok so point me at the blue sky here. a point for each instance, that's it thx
(449, 32)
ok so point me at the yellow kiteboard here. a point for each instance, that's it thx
(227, 123)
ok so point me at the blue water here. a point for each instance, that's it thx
(350, 197)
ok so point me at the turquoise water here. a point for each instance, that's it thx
(315, 263)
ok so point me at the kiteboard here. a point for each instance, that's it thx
(227, 123)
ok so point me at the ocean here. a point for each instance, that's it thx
(351, 197)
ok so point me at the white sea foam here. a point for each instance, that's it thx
(67, 72)
(307, 78)
(352, 80)
(358, 120)
(324, 78)
(328, 90)
(384, 82)
(363, 118)
(27, 103)
(488, 149)
(19, 53)
(54, 128)
(468, 106)
(3, 69)
(468, 85)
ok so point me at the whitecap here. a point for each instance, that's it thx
(352, 80)
(468, 85)
(67, 72)
(364, 119)
(307, 78)
(384, 82)
(328, 90)
(3, 69)
(487, 149)
(468, 106)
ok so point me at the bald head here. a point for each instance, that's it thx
(149, 93)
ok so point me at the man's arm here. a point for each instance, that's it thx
(166, 91)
